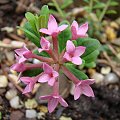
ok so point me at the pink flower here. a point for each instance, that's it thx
(78, 32)
(19, 67)
(53, 101)
(49, 75)
(23, 54)
(73, 53)
(45, 44)
(53, 28)
(30, 82)
(83, 87)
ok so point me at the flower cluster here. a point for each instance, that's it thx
(53, 64)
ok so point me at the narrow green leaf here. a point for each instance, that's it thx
(114, 3)
(33, 72)
(111, 12)
(90, 65)
(41, 53)
(31, 18)
(63, 37)
(99, 5)
(66, 4)
(79, 74)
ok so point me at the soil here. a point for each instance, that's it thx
(105, 105)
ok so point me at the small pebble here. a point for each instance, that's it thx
(98, 77)
(15, 102)
(41, 115)
(42, 108)
(3, 81)
(31, 113)
(11, 94)
(14, 78)
(105, 70)
(72, 89)
(36, 61)
(10, 56)
(111, 78)
(31, 103)
(16, 115)
(65, 118)
(17, 44)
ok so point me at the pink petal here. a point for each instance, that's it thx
(87, 90)
(87, 82)
(45, 31)
(62, 102)
(26, 80)
(40, 50)
(45, 97)
(19, 67)
(74, 29)
(47, 69)
(27, 89)
(22, 59)
(52, 24)
(67, 56)
(21, 50)
(55, 74)
(77, 92)
(52, 104)
(77, 60)
(79, 50)
(70, 47)
(62, 27)
(44, 78)
(51, 81)
(83, 29)
(45, 44)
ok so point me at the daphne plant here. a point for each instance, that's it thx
(70, 47)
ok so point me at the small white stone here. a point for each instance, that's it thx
(31, 113)
(40, 115)
(36, 61)
(17, 44)
(105, 70)
(72, 88)
(31, 103)
(15, 102)
(65, 118)
(11, 94)
(3, 81)
(111, 78)
(14, 78)
(98, 77)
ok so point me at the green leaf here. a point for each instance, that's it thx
(66, 3)
(90, 65)
(41, 53)
(79, 74)
(33, 72)
(63, 37)
(31, 18)
(99, 5)
(91, 57)
(114, 3)
(30, 34)
(44, 16)
(0, 115)
(92, 48)
(111, 12)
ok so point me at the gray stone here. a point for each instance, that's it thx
(31, 113)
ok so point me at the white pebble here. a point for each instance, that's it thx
(98, 77)
(15, 102)
(36, 61)
(31, 113)
(31, 103)
(72, 88)
(40, 115)
(3, 81)
(111, 78)
(11, 94)
(105, 70)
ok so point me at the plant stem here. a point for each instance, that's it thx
(43, 59)
(58, 8)
(69, 75)
(104, 11)
(91, 5)
(31, 66)
(55, 44)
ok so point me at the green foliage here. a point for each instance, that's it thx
(79, 74)
(31, 73)
(34, 23)
(63, 37)
(0, 116)
(91, 52)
